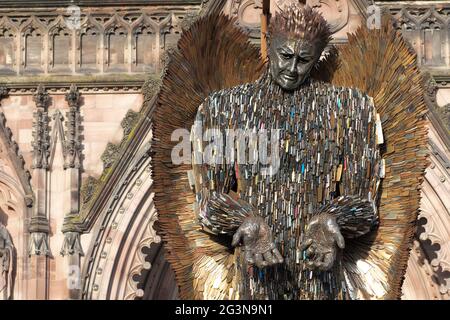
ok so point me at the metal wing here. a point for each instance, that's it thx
(381, 63)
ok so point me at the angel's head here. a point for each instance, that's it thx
(297, 37)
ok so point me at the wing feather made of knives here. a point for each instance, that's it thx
(212, 54)
(381, 63)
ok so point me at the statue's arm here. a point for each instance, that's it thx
(223, 214)
(220, 211)
(344, 217)
(356, 214)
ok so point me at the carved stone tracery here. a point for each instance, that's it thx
(426, 27)
(60, 46)
(108, 40)
(8, 40)
(73, 145)
(12, 151)
(117, 44)
(145, 45)
(110, 155)
(32, 35)
(41, 141)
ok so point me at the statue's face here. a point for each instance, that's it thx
(291, 61)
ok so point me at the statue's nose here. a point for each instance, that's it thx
(293, 66)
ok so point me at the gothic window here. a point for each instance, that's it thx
(169, 37)
(412, 35)
(60, 48)
(145, 39)
(433, 36)
(117, 46)
(170, 32)
(34, 48)
(89, 47)
(7, 51)
(425, 30)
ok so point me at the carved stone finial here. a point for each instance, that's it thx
(150, 88)
(431, 86)
(73, 146)
(41, 98)
(189, 19)
(110, 155)
(41, 137)
(73, 96)
(88, 189)
(58, 115)
(129, 122)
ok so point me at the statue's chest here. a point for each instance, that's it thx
(298, 155)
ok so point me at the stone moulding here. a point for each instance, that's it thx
(72, 244)
(39, 244)
(85, 44)
(129, 209)
(14, 154)
(139, 260)
(93, 3)
(39, 225)
(86, 84)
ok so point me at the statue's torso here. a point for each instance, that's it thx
(326, 146)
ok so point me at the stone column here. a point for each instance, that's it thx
(73, 150)
(39, 228)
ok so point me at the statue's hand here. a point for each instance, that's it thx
(258, 244)
(321, 242)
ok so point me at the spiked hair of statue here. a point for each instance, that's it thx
(303, 22)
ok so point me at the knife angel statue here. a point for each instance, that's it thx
(301, 176)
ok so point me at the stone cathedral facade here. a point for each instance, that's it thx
(75, 176)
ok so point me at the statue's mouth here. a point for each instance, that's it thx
(289, 77)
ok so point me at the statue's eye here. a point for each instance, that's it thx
(286, 55)
(303, 60)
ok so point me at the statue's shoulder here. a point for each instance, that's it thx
(225, 98)
(240, 90)
(341, 90)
